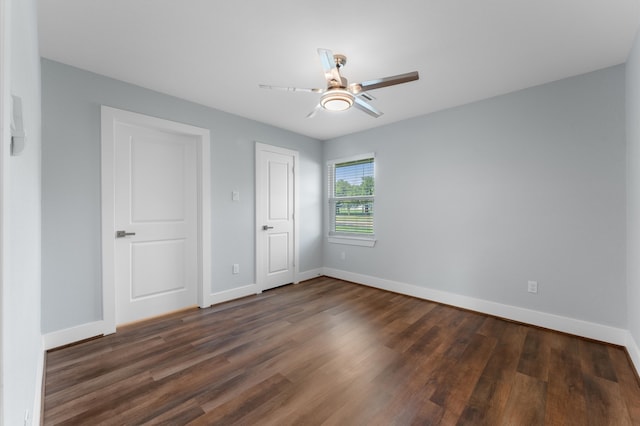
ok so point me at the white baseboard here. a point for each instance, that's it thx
(248, 290)
(234, 293)
(590, 330)
(634, 351)
(310, 274)
(59, 338)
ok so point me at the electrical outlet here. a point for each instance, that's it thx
(236, 268)
(532, 286)
(343, 255)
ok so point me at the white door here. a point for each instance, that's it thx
(275, 208)
(156, 201)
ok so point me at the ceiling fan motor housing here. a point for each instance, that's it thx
(342, 84)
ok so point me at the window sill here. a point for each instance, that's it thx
(352, 241)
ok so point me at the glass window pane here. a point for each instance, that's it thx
(354, 216)
(354, 178)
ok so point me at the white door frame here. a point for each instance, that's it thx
(4, 142)
(109, 117)
(260, 268)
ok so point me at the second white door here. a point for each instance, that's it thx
(156, 259)
(275, 220)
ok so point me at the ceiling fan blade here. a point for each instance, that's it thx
(366, 107)
(329, 65)
(366, 96)
(314, 111)
(357, 90)
(290, 89)
(389, 81)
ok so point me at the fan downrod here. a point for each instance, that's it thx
(341, 60)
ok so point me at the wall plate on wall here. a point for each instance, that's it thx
(18, 138)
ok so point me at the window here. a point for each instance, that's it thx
(351, 200)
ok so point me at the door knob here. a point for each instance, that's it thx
(122, 234)
(267, 227)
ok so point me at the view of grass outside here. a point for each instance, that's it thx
(354, 217)
(353, 195)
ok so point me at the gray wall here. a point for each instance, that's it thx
(479, 199)
(71, 188)
(475, 200)
(22, 351)
(633, 190)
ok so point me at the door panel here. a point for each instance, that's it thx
(157, 180)
(155, 198)
(275, 216)
(278, 196)
(158, 268)
(278, 253)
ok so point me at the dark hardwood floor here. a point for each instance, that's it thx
(335, 353)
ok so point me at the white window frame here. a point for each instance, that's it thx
(367, 240)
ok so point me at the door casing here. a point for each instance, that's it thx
(5, 138)
(109, 116)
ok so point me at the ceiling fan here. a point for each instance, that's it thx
(339, 95)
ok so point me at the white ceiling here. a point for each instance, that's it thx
(217, 52)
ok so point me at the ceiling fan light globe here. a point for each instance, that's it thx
(337, 100)
(336, 104)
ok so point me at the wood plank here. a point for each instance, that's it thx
(605, 405)
(526, 403)
(566, 403)
(596, 361)
(486, 403)
(456, 391)
(627, 381)
(504, 361)
(234, 410)
(534, 360)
